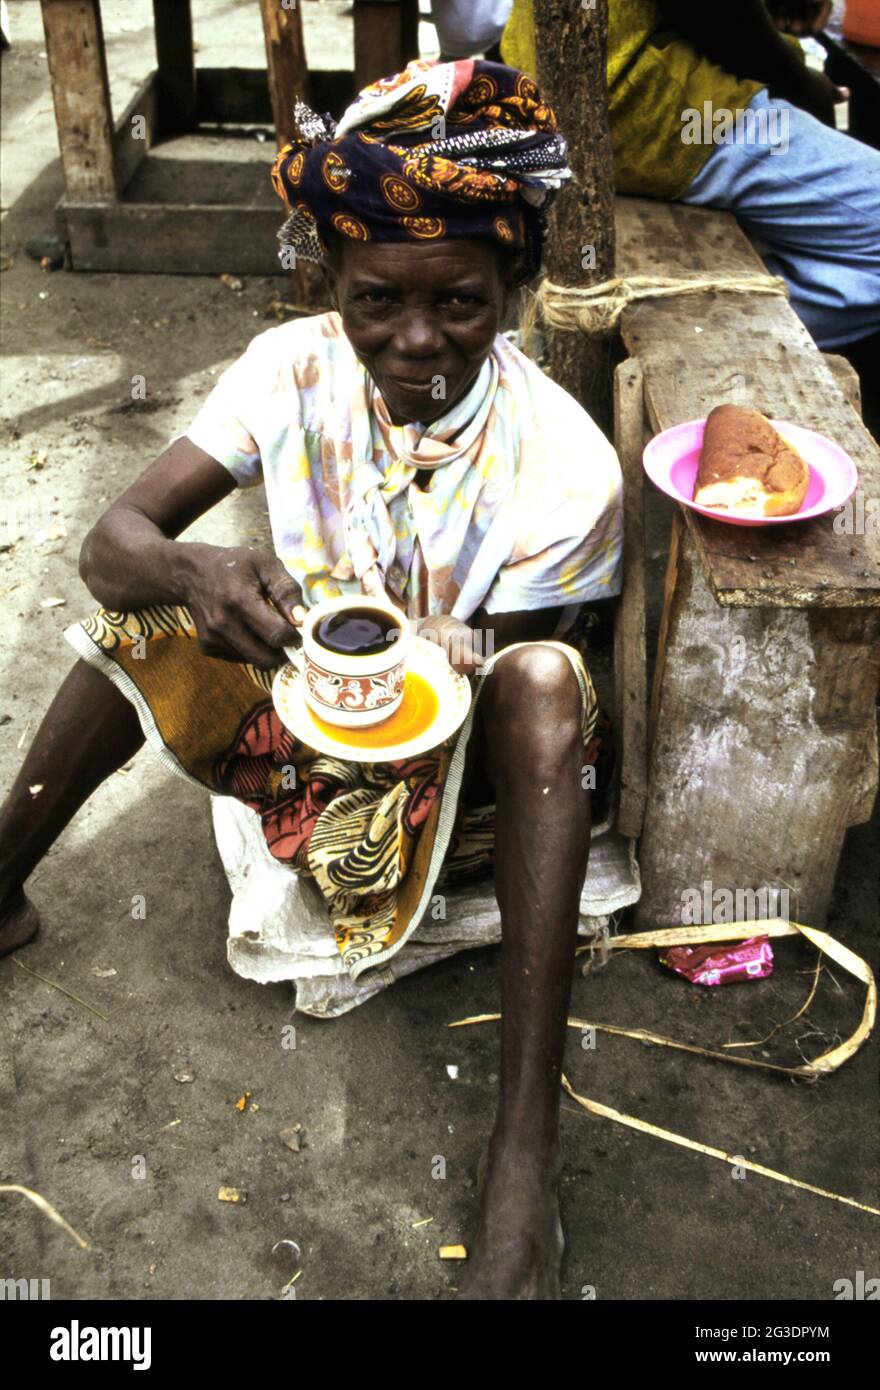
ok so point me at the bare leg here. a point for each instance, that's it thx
(533, 752)
(89, 730)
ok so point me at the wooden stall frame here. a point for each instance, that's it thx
(105, 230)
(762, 736)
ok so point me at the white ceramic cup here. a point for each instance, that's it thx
(352, 691)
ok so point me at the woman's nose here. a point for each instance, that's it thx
(419, 335)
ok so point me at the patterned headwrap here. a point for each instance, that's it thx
(439, 150)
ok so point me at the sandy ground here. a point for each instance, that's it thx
(90, 1102)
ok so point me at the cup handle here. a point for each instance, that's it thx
(295, 657)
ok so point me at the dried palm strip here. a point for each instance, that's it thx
(642, 1035)
(828, 1062)
(741, 931)
(605, 1111)
(48, 1210)
(759, 1042)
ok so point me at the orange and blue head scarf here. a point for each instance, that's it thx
(469, 148)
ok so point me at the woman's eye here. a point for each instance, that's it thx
(462, 301)
(374, 297)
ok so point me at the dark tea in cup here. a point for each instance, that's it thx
(357, 632)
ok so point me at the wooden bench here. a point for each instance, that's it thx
(760, 744)
(105, 229)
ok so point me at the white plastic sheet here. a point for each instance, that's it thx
(279, 928)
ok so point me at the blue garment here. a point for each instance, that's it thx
(809, 198)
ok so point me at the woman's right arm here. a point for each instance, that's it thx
(131, 559)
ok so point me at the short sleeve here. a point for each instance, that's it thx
(567, 519)
(573, 569)
(227, 422)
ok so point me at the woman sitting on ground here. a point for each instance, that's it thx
(407, 450)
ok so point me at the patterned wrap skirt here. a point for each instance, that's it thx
(378, 839)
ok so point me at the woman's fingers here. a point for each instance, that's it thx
(457, 641)
(240, 600)
(265, 621)
(283, 589)
(232, 639)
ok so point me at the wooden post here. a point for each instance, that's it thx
(385, 38)
(176, 64)
(81, 93)
(630, 669)
(580, 249)
(286, 64)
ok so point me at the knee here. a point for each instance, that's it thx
(533, 722)
(538, 680)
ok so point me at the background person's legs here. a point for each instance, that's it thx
(810, 200)
(89, 730)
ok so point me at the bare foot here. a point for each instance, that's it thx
(517, 1252)
(19, 921)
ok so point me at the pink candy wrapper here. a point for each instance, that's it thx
(722, 965)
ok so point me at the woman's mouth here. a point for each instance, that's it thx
(413, 386)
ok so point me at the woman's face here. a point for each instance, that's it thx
(421, 318)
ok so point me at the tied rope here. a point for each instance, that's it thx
(595, 309)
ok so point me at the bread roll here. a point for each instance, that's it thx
(747, 467)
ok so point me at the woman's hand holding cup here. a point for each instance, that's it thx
(456, 640)
(245, 605)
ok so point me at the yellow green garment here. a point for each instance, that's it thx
(653, 77)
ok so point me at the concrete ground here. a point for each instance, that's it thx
(91, 1102)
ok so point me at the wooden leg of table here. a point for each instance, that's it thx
(286, 64)
(409, 29)
(761, 722)
(385, 38)
(81, 93)
(176, 64)
(630, 671)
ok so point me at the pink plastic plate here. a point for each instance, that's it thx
(672, 457)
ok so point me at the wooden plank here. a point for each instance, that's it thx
(757, 763)
(630, 670)
(847, 378)
(380, 40)
(155, 238)
(81, 94)
(409, 29)
(231, 95)
(286, 64)
(176, 64)
(866, 779)
(137, 129)
(699, 351)
(669, 587)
